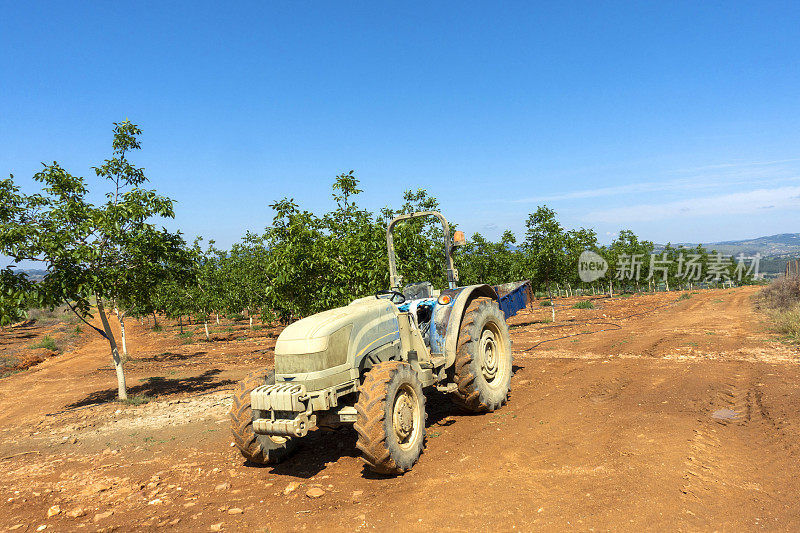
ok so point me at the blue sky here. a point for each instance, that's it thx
(680, 121)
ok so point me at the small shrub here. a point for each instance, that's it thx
(584, 304)
(78, 330)
(137, 399)
(157, 327)
(153, 380)
(257, 327)
(545, 303)
(684, 296)
(47, 343)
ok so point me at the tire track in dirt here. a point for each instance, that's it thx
(737, 442)
(702, 479)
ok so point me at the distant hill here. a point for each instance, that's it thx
(783, 245)
(34, 274)
(775, 250)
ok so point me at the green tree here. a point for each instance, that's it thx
(484, 261)
(576, 242)
(94, 251)
(15, 288)
(629, 260)
(297, 267)
(15, 294)
(544, 246)
(207, 293)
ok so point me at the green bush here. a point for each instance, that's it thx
(584, 304)
(684, 296)
(545, 303)
(47, 343)
(137, 399)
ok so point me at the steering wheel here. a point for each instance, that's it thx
(394, 294)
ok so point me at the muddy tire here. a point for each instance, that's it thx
(483, 358)
(261, 449)
(391, 418)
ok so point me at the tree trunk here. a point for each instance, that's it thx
(180, 323)
(218, 319)
(121, 319)
(251, 320)
(205, 323)
(611, 289)
(155, 322)
(552, 303)
(122, 389)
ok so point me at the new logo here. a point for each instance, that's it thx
(591, 266)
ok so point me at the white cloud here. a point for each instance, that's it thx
(740, 203)
(725, 175)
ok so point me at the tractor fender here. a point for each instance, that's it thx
(459, 306)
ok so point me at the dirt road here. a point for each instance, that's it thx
(645, 413)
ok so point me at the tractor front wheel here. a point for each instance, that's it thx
(262, 449)
(391, 418)
(483, 357)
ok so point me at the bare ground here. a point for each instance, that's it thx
(646, 413)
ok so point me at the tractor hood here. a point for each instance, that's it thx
(335, 337)
(312, 334)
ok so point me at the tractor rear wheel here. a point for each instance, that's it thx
(483, 357)
(391, 418)
(262, 449)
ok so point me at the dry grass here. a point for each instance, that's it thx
(55, 316)
(781, 300)
(782, 294)
(787, 323)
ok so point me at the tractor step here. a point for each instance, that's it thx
(447, 387)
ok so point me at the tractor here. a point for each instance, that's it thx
(369, 363)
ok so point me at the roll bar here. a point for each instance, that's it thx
(394, 278)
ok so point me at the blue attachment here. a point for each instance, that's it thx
(422, 302)
(513, 296)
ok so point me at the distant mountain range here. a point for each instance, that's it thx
(34, 274)
(784, 245)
